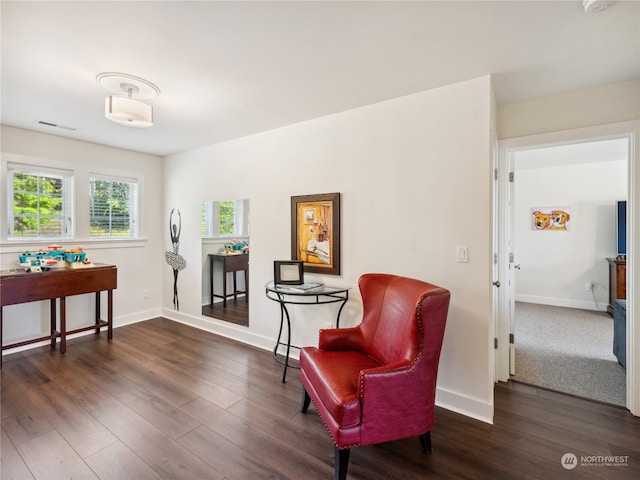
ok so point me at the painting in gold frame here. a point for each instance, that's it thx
(315, 232)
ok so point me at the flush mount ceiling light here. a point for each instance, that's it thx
(123, 108)
(595, 6)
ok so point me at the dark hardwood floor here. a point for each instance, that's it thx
(235, 312)
(166, 401)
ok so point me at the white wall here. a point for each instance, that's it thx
(556, 265)
(618, 102)
(414, 174)
(140, 264)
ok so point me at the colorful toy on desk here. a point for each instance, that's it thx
(81, 264)
(236, 246)
(74, 255)
(55, 257)
(36, 262)
(41, 264)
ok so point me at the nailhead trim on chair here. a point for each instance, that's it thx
(331, 434)
(325, 424)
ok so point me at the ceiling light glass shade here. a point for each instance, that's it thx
(129, 112)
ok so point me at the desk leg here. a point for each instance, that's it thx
(246, 285)
(63, 324)
(52, 316)
(235, 287)
(110, 315)
(211, 277)
(97, 312)
(1, 308)
(224, 285)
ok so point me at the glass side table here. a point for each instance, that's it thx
(287, 295)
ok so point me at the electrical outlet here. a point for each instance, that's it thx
(589, 286)
(462, 254)
(145, 294)
(328, 325)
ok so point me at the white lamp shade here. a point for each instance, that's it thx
(129, 112)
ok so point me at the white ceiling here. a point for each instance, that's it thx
(230, 69)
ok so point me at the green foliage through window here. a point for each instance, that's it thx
(228, 218)
(227, 215)
(40, 202)
(112, 208)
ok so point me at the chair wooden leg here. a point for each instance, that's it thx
(306, 399)
(425, 441)
(341, 464)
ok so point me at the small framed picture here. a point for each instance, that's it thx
(288, 272)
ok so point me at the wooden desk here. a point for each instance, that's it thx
(617, 282)
(24, 287)
(230, 264)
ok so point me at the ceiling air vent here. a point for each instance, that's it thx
(55, 125)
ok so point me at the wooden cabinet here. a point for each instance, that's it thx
(617, 281)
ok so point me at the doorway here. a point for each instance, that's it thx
(565, 271)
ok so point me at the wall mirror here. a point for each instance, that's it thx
(225, 260)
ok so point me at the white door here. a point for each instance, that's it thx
(495, 187)
(501, 266)
(512, 266)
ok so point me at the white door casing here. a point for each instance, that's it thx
(503, 211)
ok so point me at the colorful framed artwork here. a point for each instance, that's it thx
(551, 218)
(315, 232)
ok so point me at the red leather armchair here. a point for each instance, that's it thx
(377, 382)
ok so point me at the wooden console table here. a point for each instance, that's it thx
(617, 282)
(23, 287)
(231, 263)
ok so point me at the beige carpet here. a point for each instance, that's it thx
(568, 350)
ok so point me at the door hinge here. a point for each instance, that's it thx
(495, 343)
(510, 257)
(511, 176)
(495, 174)
(511, 338)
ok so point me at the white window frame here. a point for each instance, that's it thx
(134, 202)
(67, 215)
(211, 219)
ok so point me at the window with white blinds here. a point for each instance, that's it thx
(207, 220)
(224, 219)
(40, 203)
(113, 207)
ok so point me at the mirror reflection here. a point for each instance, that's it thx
(225, 260)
